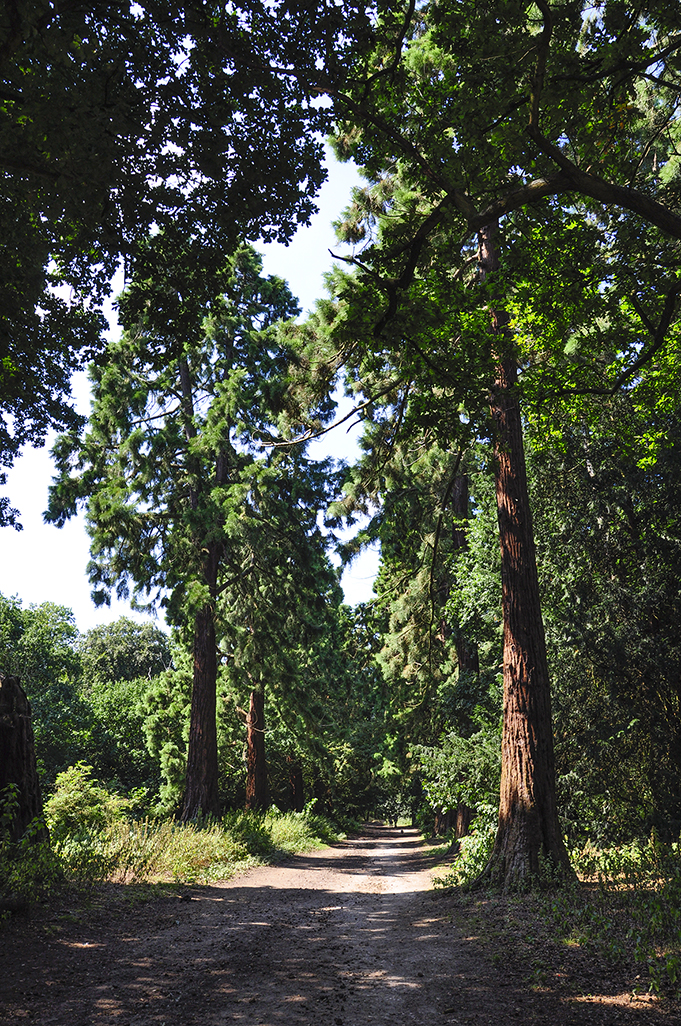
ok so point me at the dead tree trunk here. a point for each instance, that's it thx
(256, 780)
(529, 830)
(17, 756)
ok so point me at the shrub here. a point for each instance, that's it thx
(28, 868)
(80, 804)
(474, 849)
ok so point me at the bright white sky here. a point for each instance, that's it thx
(44, 563)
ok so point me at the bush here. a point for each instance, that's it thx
(474, 850)
(28, 868)
(95, 843)
(80, 804)
(300, 831)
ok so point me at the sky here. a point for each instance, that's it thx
(43, 563)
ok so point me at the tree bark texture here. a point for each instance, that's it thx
(256, 779)
(528, 836)
(201, 789)
(17, 756)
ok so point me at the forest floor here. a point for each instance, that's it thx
(347, 936)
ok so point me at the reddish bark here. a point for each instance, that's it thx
(201, 789)
(256, 780)
(529, 830)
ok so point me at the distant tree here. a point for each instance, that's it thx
(123, 650)
(40, 643)
(120, 662)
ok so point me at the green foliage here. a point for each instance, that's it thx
(474, 850)
(300, 831)
(462, 770)
(120, 664)
(39, 645)
(635, 911)
(608, 540)
(191, 506)
(79, 804)
(94, 841)
(87, 172)
(28, 868)
(122, 651)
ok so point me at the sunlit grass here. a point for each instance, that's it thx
(128, 851)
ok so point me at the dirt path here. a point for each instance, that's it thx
(348, 936)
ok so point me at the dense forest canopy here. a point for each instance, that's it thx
(507, 327)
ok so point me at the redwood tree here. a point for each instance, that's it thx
(468, 113)
(528, 817)
(183, 502)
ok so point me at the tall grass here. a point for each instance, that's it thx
(128, 851)
(95, 838)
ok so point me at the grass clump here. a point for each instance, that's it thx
(96, 840)
(300, 831)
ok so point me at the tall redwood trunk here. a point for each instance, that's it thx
(201, 789)
(256, 780)
(528, 820)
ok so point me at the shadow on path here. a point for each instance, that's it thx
(306, 950)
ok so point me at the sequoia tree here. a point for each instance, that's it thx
(487, 112)
(183, 503)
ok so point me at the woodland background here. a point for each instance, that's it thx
(506, 326)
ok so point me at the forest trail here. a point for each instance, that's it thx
(346, 936)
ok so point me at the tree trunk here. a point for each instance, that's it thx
(201, 789)
(467, 655)
(256, 780)
(466, 651)
(17, 757)
(464, 817)
(296, 784)
(528, 839)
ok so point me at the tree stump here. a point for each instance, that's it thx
(17, 755)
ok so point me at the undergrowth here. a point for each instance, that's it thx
(128, 851)
(29, 869)
(625, 907)
(94, 839)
